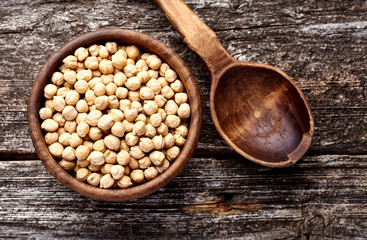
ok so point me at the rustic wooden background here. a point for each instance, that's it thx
(322, 44)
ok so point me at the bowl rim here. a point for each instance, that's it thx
(144, 42)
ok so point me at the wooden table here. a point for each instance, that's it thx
(321, 44)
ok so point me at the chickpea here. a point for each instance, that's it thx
(67, 165)
(154, 62)
(162, 81)
(177, 86)
(82, 163)
(184, 110)
(158, 142)
(103, 52)
(82, 152)
(124, 104)
(56, 149)
(75, 140)
(117, 114)
(146, 144)
(107, 78)
(123, 146)
(90, 97)
(106, 67)
(150, 173)
(95, 133)
(68, 154)
(136, 152)
(106, 168)
(121, 92)
(124, 182)
(70, 62)
(96, 158)
(133, 164)
(141, 65)
(101, 102)
(72, 97)
(89, 145)
(171, 107)
(130, 114)
(182, 130)
(160, 100)
(91, 63)
(167, 92)
(144, 76)
(127, 170)
(141, 117)
(82, 129)
(146, 93)
(170, 75)
(169, 140)
(117, 172)
(128, 126)
(131, 139)
(70, 126)
(137, 105)
(157, 157)
(162, 129)
(82, 174)
(150, 107)
(144, 163)
(57, 78)
(119, 59)
(137, 176)
(145, 56)
(99, 89)
(139, 128)
(163, 167)
(93, 117)
(119, 79)
(94, 168)
(133, 83)
(69, 113)
(49, 104)
(173, 121)
(179, 140)
(130, 70)
(62, 92)
(81, 86)
(162, 70)
(150, 131)
(111, 89)
(110, 156)
(123, 158)
(61, 131)
(49, 125)
(58, 104)
(70, 76)
(153, 74)
(94, 179)
(132, 52)
(111, 47)
(134, 96)
(94, 50)
(118, 129)
(51, 137)
(112, 142)
(96, 73)
(172, 153)
(180, 98)
(64, 139)
(50, 90)
(59, 118)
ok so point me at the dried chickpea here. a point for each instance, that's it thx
(94, 179)
(160, 100)
(95, 133)
(117, 171)
(131, 139)
(99, 89)
(133, 164)
(162, 70)
(117, 114)
(184, 110)
(112, 142)
(81, 53)
(101, 102)
(61, 131)
(127, 170)
(49, 104)
(72, 97)
(119, 60)
(50, 90)
(179, 140)
(150, 107)
(111, 47)
(141, 65)
(128, 126)
(93, 50)
(170, 75)
(150, 173)
(130, 70)
(56, 149)
(146, 93)
(82, 174)
(132, 52)
(171, 107)
(144, 163)
(68, 154)
(57, 78)
(70, 126)
(154, 62)
(158, 142)
(124, 104)
(123, 146)
(163, 167)
(67, 165)
(139, 128)
(106, 168)
(59, 118)
(110, 156)
(130, 114)
(93, 117)
(82, 152)
(111, 89)
(58, 103)
(64, 139)
(51, 137)
(99, 146)
(96, 158)
(133, 83)
(90, 97)
(106, 122)
(182, 130)
(85, 74)
(94, 168)
(137, 105)
(162, 81)
(146, 144)
(75, 140)
(144, 76)
(157, 157)
(172, 153)
(145, 56)
(89, 145)
(173, 121)
(180, 98)
(70, 76)
(136, 152)
(103, 51)
(124, 182)
(118, 129)
(70, 62)
(137, 176)
(82, 129)
(91, 63)
(82, 163)
(81, 106)
(107, 78)
(141, 117)
(177, 86)
(134, 96)
(62, 92)
(153, 74)
(167, 92)
(162, 129)
(96, 73)
(123, 157)
(106, 67)
(151, 131)
(49, 125)
(119, 79)
(69, 113)
(121, 92)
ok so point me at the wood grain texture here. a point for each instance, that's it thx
(320, 44)
(323, 197)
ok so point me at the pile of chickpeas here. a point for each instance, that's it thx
(114, 116)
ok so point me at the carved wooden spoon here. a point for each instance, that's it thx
(257, 108)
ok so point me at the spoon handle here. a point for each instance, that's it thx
(198, 36)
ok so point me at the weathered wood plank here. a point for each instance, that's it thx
(321, 44)
(322, 197)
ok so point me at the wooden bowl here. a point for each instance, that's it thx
(146, 43)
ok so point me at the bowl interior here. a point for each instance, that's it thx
(123, 37)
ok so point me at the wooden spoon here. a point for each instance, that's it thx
(256, 108)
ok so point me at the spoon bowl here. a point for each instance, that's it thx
(257, 108)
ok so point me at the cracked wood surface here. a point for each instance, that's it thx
(321, 44)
